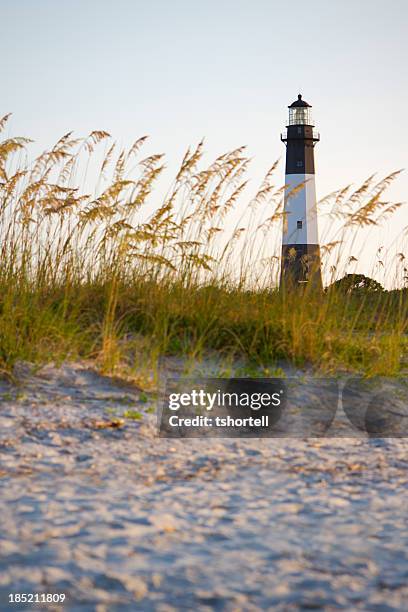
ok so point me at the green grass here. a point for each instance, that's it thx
(107, 277)
(134, 415)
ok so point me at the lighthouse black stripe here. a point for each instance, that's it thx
(299, 150)
(300, 264)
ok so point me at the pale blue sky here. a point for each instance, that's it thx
(179, 70)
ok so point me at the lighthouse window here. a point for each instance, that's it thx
(299, 164)
(299, 224)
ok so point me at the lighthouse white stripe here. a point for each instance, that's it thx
(300, 206)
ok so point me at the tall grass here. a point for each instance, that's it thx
(104, 276)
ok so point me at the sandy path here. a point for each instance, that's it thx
(121, 520)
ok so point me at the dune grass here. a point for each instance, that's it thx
(109, 276)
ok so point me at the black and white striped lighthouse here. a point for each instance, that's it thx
(300, 243)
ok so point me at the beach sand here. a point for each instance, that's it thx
(94, 505)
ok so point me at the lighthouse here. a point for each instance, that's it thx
(300, 242)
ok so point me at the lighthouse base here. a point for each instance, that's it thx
(300, 265)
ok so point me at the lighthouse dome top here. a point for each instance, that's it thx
(299, 103)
